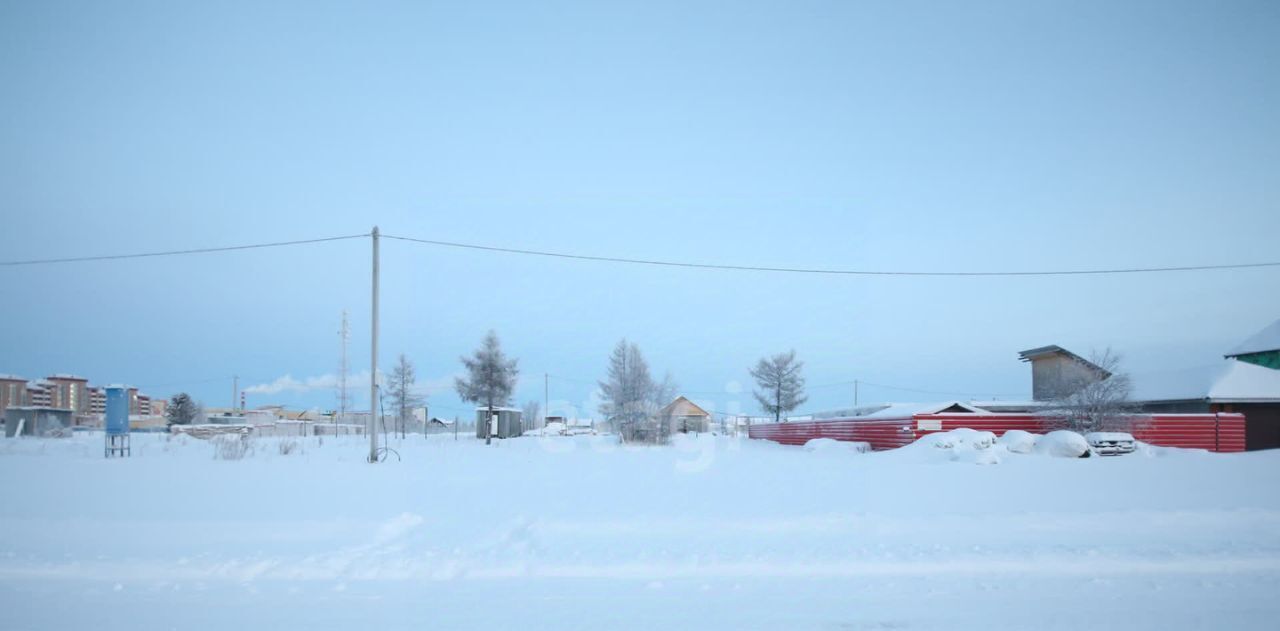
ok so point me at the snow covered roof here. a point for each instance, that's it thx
(683, 407)
(902, 410)
(68, 377)
(1012, 405)
(5, 377)
(1032, 354)
(1230, 380)
(1268, 339)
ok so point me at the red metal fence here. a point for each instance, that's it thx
(1221, 432)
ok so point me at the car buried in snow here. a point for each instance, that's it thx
(1111, 443)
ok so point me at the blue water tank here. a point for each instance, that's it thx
(117, 410)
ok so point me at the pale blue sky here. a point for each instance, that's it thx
(895, 135)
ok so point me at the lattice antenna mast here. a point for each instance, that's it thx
(344, 394)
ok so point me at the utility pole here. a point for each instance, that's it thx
(855, 393)
(546, 397)
(373, 362)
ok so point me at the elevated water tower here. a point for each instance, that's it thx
(117, 422)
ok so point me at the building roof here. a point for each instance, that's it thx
(1032, 354)
(1228, 381)
(11, 378)
(67, 377)
(1268, 339)
(682, 407)
(902, 410)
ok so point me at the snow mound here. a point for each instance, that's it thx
(831, 445)
(1063, 444)
(1018, 441)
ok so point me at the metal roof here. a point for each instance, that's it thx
(1268, 339)
(1054, 349)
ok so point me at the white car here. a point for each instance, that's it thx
(1111, 443)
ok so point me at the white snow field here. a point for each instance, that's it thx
(579, 533)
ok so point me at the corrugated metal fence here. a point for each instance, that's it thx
(1220, 432)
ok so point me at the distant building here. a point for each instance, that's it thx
(13, 392)
(39, 394)
(69, 392)
(685, 416)
(1246, 381)
(1057, 372)
(37, 421)
(87, 404)
(97, 400)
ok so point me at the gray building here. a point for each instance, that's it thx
(1057, 372)
(509, 422)
(37, 421)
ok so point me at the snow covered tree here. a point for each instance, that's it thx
(401, 392)
(182, 409)
(491, 378)
(660, 394)
(781, 384)
(529, 414)
(1095, 401)
(631, 399)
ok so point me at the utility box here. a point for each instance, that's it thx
(508, 423)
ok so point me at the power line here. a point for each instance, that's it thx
(652, 262)
(112, 257)
(829, 271)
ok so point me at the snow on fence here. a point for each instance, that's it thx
(1220, 432)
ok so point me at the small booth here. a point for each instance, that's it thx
(507, 423)
(117, 422)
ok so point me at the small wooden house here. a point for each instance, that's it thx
(684, 416)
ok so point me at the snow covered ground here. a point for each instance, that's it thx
(579, 533)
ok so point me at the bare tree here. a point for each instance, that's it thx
(1094, 401)
(781, 384)
(529, 414)
(491, 378)
(401, 392)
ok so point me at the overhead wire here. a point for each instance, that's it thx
(814, 270)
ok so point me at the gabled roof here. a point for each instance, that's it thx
(1268, 339)
(1053, 349)
(682, 407)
